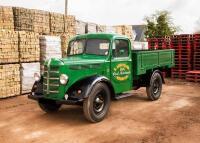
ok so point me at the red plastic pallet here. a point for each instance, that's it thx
(193, 76)
(196, 54)
(181, 74)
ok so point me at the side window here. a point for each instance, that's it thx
(121, 48)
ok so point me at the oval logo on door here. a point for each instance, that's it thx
(121, 72)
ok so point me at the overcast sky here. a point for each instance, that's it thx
(185, 13)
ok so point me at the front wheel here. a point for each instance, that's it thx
(97, 104)
(49, 106)
(154, 89)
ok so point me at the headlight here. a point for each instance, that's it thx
(64, 79)
(37, 76)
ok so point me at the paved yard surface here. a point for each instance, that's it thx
(175, 118)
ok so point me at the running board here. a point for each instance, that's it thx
(123, 96)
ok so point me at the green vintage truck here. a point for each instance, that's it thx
(99, 68)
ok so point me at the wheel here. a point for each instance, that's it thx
(154, 89)
(96, 106)
(49, 106)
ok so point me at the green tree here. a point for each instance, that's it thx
(160, 25)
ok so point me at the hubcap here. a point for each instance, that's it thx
(99, 103)
(156, 86)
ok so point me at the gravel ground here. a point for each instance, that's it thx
(175, 118)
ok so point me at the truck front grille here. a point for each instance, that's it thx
(51, 80)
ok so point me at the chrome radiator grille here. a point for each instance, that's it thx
(51, 80)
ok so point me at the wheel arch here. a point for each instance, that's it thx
(152, 72)
(88, 84)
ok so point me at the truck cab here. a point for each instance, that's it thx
(97, 69)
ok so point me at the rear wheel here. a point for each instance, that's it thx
(49, 106)
(154, 89)
(97, 104)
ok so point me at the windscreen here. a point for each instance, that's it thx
(90, 46)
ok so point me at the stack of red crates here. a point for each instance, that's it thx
(159, 43)
(152, 43)
(164, 43)
(194, 75)
(187, 55)
(183, 55)
(196, 58)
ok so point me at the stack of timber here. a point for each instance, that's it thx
(91, 28)
(27, 76)
(80, 27)
(41, 22)
(9, 80)
(101, 28)
(128, 31)
(23, 19)
(119, 30)
(110, 29)
(70, 32)
(70, 25)
(29, 47)
(50, 48)
(57, 24)
(6, 18)
(9, 47)
(125, 30)
(65, 38)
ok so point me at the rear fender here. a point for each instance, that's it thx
(161, 74)
(156, 71)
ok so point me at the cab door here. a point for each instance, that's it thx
(121, 65)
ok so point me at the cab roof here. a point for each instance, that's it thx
(108, 36)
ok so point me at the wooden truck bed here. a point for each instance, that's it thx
(146, 60)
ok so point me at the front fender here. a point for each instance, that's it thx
(87, 84)
(99, 79)
(37, 88)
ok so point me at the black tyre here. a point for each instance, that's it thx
(154, 89)
(96, 106)
(49, 106)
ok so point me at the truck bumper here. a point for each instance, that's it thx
(66, 102)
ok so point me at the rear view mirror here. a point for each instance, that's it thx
(121, 52)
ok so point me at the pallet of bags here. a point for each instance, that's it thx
(56, 23)
(27, 76)
(29, 47)
(9, 47)
(9, 80)
(80, 27)
(6, 18)
(23, 19)
(70, 25)
(41, 22)
(91, 28)
(50, 47)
